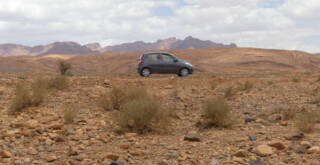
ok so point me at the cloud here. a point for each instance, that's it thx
(282, 24)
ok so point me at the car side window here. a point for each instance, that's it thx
(167, 58)
(153, 57)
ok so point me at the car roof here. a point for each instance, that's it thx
(147, 53)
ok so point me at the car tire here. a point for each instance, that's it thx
(145, 72)
(184, 72)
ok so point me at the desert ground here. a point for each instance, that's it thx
(273, 117)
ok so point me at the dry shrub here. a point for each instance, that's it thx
(63, 67)
(141, 115)
(58, 82)
(296, 80)
(117, 96)
(305, 121)
(289, 113)
(316, 99)
(248, 86)
(213, 85)
(38, 95)
(217, 112)
(22, 98)
(120, 95)
(105, 102)
(230, 92)
(270, 82)
(69, 113)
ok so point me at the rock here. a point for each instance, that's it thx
(192, 137)
(214, 162)
(248, 120)
(256, 162)
(32, 124)
(118, 163)
(51, 158)
(171, 156)
(241, 153)
(301, 150)
(32, 151)
(107, 83)
(252, 138)
(275, 117)
(5, 154)
(264, 150)
(305, 144)
(56, 126)
(238, 160)
(277, 145)
(124, 145)
(112, 156)
(72, 151)
(298, 136)
(163, 163)
(314, 149)
(130, 135)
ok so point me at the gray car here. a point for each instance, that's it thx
(163, 63)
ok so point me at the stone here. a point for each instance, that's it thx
(298, 136)
(192, 137)
(32, 151)
(238, 160)
(214, 162)
(32, 124)
(124, 145)
(301, 150)
(264, 150)
(256, 162)
(5, 154)
(252, 138)
(171, 156)
(112, 156)
(130, 135)
(249, 120)
(51, 158)
(163, 163)
(314, 149)
(118, 163)
(278, 145)
(305, 144)
(241, 153)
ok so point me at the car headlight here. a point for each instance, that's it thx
(188, 64)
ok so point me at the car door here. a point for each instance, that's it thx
(155, 62)
(169, 64)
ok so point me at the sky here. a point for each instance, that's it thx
(276, 24)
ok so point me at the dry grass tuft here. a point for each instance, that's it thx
(306, 121)
(230, 92)
(142, 114)
(58, 82)
(63, 67)
(248, 86)
(289, 113)
(22, 98)
(69, 113)
(217, 113)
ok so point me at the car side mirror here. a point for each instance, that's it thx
(175, 60)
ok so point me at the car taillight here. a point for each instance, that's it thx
(141, 61)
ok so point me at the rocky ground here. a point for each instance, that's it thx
(260, 134)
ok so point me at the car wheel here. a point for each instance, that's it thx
(145, 72)
(184, 72)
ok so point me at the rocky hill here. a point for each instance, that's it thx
(73, 48)
(212, 60)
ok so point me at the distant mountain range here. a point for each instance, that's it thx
(95, 48)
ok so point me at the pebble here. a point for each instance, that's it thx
(192, 137)
(314, 149)
(264, 150)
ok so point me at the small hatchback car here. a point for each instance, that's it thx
(163, 63)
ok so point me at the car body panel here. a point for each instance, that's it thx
(162, 63)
